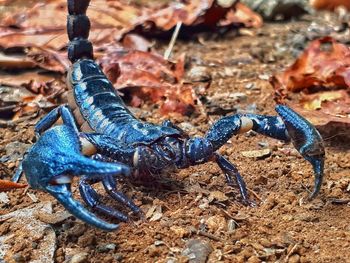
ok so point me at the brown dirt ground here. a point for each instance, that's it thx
(283, 227)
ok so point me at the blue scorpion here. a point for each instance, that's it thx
(110, 132)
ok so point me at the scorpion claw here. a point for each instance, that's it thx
(307, 140)
(63, 194)
(52, 162)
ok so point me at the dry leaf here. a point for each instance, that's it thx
(322, 73)
(329, 4)
(8, 185)
(148, 77)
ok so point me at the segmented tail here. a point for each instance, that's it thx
(78, 28)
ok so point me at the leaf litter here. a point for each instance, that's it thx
(317, 84)
(43, 43)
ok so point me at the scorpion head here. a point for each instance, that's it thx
(158, 156)
(171, 152)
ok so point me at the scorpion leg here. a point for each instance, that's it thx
(110, 185)
(92, 198)
(231, 170)
(48, 120)
(111, 149)
(287, 126)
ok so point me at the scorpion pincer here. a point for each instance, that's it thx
(56, 157)
(118, 135)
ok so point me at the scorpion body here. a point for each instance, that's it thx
(114, 133)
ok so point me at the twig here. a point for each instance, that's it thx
(294, 249)
(172, 41)
(206, 234)
(255, 194)
(339, 201)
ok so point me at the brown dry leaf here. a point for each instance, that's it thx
(146, 76)
(242, 15)
(42, 91)
(8, 185)
(136, 42)
(15, 62)
(324, 63)
(31, 105)
(329, 4)
(25, 79)
(111, 20)
(322, 72)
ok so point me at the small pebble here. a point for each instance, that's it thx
(18, 258)
(4, 198)
(263, 144)
(253, 259)
(295, 258)
(79, 258)
(197, 250)
(118, 257)
(180, 231)
(257, 153)
(159, 243)
(171, 260)
(34, 245)
(216, 223)
(106, 248)
(86, 240)
(218, 196)
(77, 230)
(199, 74)
(239, 96)
(231, 225)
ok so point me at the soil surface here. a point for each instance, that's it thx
(192, 215)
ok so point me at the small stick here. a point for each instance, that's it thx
(172, 41)
(294, 248)
(206, 234)
(255, 194)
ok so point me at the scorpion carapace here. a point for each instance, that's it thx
(117, 135)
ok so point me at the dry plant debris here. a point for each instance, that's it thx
(149, 77)
(6, 185)
(329, 4)
(322, 73)
(43, 42)
(111, 20)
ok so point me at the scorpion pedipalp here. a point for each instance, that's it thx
(56, 157)
(288, 126)
(307, 140)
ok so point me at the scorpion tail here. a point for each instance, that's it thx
(63, 194)
(78, 28)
